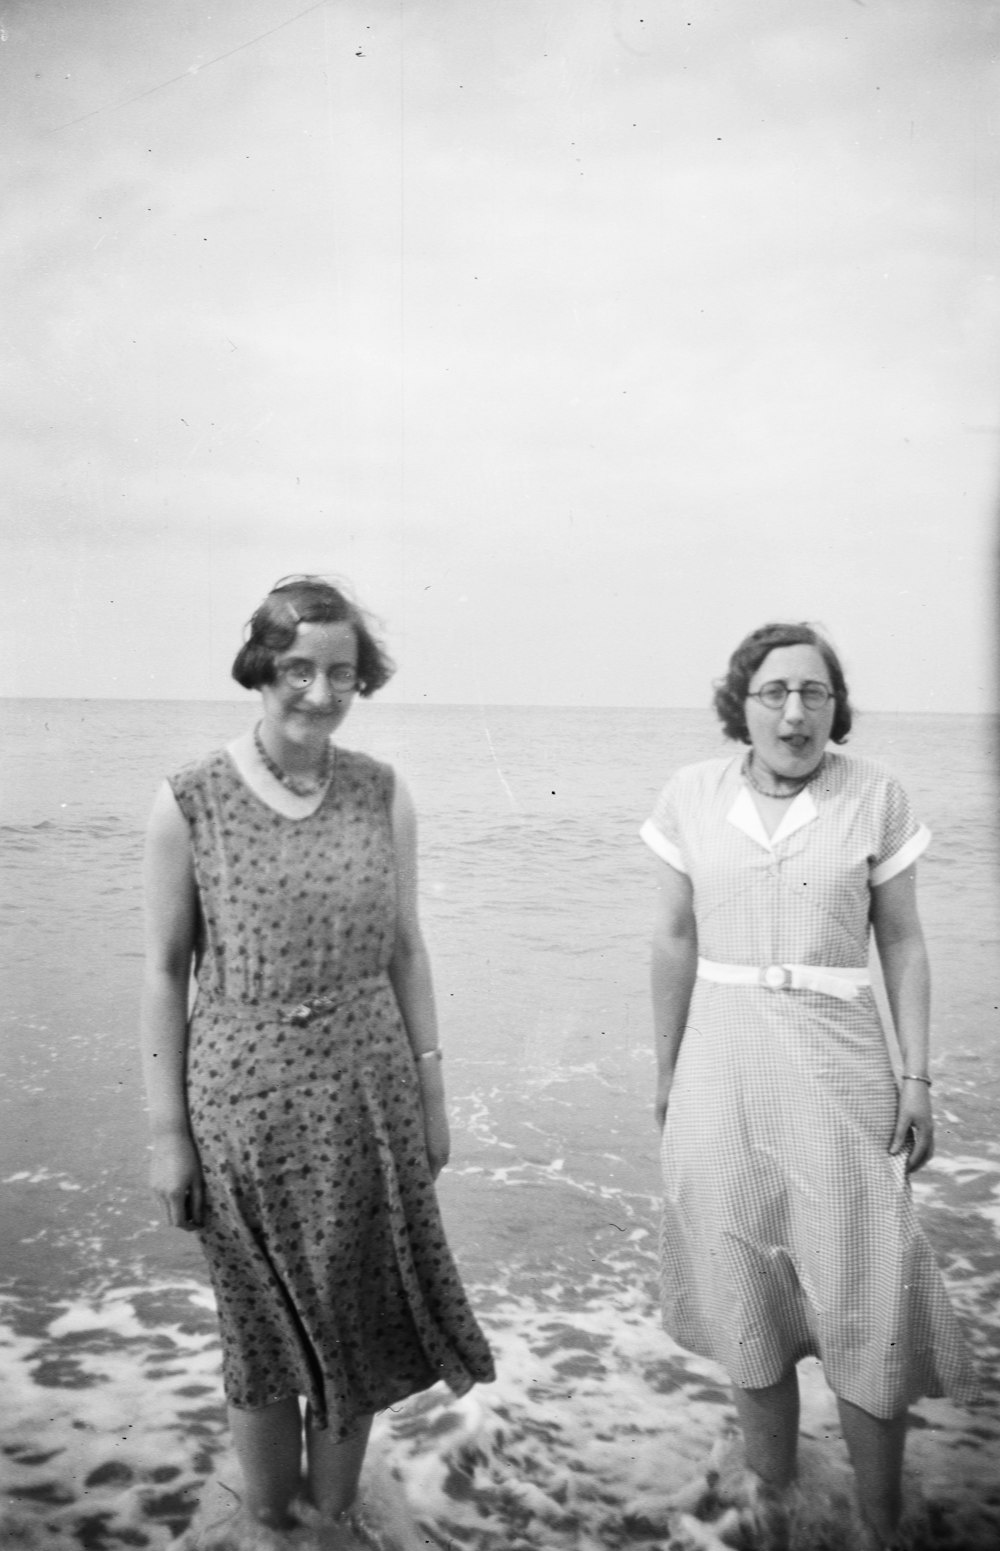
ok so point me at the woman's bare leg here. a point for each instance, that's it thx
(334, 1468)
(770, 1422)
(268, 1445)
(875, 1445)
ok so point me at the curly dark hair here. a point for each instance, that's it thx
(731, 692)
(298, 600)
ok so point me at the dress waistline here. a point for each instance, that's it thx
(298, 1015)
(841, 981)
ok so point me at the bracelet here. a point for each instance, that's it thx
(914, 1077)
(437, 1054)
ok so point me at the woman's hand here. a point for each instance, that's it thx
(913, 1117)
(436, 1132)
(176, 1179)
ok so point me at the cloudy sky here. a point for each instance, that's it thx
(581, 336)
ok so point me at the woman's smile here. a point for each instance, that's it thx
(305, 702)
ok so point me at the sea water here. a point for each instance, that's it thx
(537, 898)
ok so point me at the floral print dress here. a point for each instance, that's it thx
(323, 1236)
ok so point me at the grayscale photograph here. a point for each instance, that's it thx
(500, 1040)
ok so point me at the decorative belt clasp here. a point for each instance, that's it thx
(777, 977)
(306, 1011)
(298, 1016)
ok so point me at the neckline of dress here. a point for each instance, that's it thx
(802, 811)
(262, 802)
(830, 767)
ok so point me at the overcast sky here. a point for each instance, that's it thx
(582, 336)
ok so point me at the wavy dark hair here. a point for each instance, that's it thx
(731, 692)
(307, 600)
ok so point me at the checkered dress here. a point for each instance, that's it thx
(787, 1228)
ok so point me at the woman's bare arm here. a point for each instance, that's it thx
(410, 973)
(673, 970)
(905, 969)
(171, 914)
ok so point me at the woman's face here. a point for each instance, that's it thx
(789, 742)
(314, 683)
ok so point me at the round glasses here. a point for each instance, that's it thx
(775, 692)
(343, 676)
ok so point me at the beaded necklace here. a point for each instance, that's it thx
(778, 796)
(299, 788)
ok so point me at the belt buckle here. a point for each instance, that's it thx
(777, 977)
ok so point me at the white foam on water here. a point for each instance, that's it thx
(962, 1167)
(42, 1176)
(991, 1214)
(112, 1416)
(473, 1112)
(598, 1433)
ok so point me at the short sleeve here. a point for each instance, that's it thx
(184, 784)
(661, 830)
(901, 840)
(388, 779)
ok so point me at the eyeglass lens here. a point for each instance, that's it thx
(774, 694)
(299, 676)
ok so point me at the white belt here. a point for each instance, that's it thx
(841, 982)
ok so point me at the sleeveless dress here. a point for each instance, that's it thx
(787, 1228)
(322, 1234)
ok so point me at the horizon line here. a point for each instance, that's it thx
(462, 705)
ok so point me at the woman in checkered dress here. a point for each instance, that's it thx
(788, 1225)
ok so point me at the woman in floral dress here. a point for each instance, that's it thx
(298, 1111)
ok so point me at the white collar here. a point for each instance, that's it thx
(743, 814)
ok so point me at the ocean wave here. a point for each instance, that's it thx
(598, 1433)
(34, 836)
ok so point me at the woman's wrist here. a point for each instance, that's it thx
(430, 1071)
